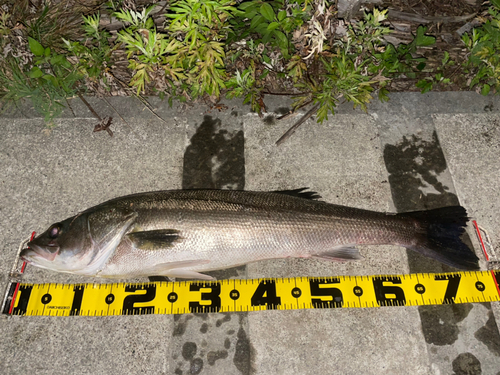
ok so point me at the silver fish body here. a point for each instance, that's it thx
(181, 233)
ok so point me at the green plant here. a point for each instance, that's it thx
(51, 23)
(401, 59)
(201, 27)
(342, 79)
(351, 69)
(438, 77)
(484, 58)
(296, 68)
(148, 50)
(94, 54)
(273, 21)
(47, 81)
(245, 84)
(4, 29)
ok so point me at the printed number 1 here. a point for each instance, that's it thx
(452, 288)
(77, 300)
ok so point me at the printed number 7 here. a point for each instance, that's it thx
(452, 288)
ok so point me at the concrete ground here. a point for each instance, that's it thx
(415, 152)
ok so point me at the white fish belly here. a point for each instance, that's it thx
(229, 239)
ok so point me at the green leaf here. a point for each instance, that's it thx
(282, 39)
(35, 72)
(46, 52)
(247, 5)
(266, 36)
(250, 14)
(282, 15)
(255, 22)
(35, 47)
(425, 85)
(485, 90)
(52, 79)
(422, 39)
(272, 26)
(496, 3)
(262, 28)
(446, 58)
(267, 11)
(57, 59)
(421, 66)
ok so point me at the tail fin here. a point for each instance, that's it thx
(440, 234)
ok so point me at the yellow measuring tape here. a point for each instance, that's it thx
(252, 294)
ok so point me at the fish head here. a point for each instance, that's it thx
(81, 244)
(61, 246)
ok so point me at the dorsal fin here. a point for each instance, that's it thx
(300, 193)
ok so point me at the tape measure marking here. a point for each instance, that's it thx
(255, 294)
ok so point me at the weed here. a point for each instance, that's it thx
(245, 84)
(50, 80)
(201, 28)
(148, 50)
(484, 46)
(94, 54)
(273, 22)
(352, 70)
(438, 76)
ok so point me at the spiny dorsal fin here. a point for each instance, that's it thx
(300, 193)
(154, 239)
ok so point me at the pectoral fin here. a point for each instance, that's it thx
(178, 269)
(154, 239)
(340, 253)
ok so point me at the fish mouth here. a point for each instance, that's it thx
(33, 251)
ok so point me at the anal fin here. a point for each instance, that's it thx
(340, 253)
(178, 269)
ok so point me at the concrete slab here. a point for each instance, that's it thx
(50, 175)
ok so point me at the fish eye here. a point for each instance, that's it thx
(54, 231)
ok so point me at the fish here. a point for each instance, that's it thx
(184, 233)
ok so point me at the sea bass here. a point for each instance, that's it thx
(181, 233)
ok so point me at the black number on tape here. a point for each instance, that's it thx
(480, 286)
(296, 292)
(334, 295)
(129, 301)
(213, 296)
(497, 279)
(234, 294)
(389, 295)
(46, 298)
(358, 291)
(420, 289)
(22, 304)
(265, 295)
(172, 297)
(77, 300)
(110, 298)
(452, 288)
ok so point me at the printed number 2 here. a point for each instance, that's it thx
(129, 301)
(452, 288)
